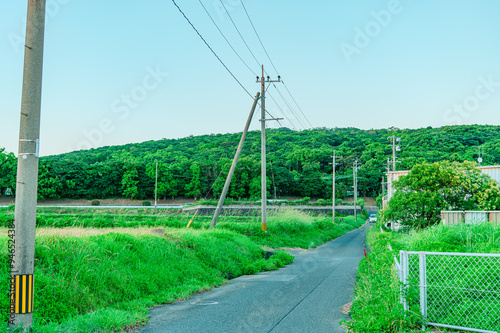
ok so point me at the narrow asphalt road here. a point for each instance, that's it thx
(305, 296)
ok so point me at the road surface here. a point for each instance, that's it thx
(305, 296)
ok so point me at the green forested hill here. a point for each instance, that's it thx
(298, 162)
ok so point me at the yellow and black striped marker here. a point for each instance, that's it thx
(21, 298)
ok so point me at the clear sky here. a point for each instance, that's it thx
(124, 71)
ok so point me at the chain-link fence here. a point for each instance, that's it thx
(453, 290)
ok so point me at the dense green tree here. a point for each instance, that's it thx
(430, 188)
(193, 189)
(129, 182)
(298, 162)
(8, 171)
(49, 186)
(223, 166)
(167, 185)
(255, 188)
(310, 182)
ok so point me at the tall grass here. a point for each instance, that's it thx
(120, 273)
(376, 306)
(286, 228)
(105, 283)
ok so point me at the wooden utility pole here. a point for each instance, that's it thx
(233, 166)
(263, 146)
(23, 246)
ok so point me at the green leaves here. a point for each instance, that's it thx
(429, 188)
(193, 189)
(298, 162)
(8, 167)
(130, 181)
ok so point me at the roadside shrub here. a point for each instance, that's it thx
(361, 202)
(146, 203)
(303, 201)
(96, 203)
(323, 202)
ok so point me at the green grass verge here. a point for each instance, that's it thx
(376, 306)
(106, 283)
(286, 228)
(120, 273)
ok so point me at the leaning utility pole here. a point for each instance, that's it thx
(23, 245)
(233, 166)
(262, 81)
(355, 181)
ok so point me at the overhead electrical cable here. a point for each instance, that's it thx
(215, 54)
(231, 46)
(296, 104)
(258, 37)
(289, 107)
(284, 115)
(268, 57)
(243, 39)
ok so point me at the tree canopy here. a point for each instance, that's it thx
(430, 188)
(298, 162)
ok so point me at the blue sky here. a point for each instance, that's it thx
(117, 72)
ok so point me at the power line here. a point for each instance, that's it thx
(297, 104)
(215, 54)
(284, 115)
(243, 39)
(261, 44)
(268, 57)
(213, 21)
(289, 107)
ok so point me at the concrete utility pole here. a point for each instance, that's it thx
(383, 187)
(394, 149)
(156, 185)
(233, 166)
(333, 187)
(355, 181)
(262, 81)
(23, 251)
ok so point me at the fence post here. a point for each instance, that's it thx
(403, 258)
(423, 285)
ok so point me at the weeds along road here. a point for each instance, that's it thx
(306, 296)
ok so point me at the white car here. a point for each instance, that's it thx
(372, 218)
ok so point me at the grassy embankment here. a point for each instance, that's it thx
(376, 306)
(105, 283)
